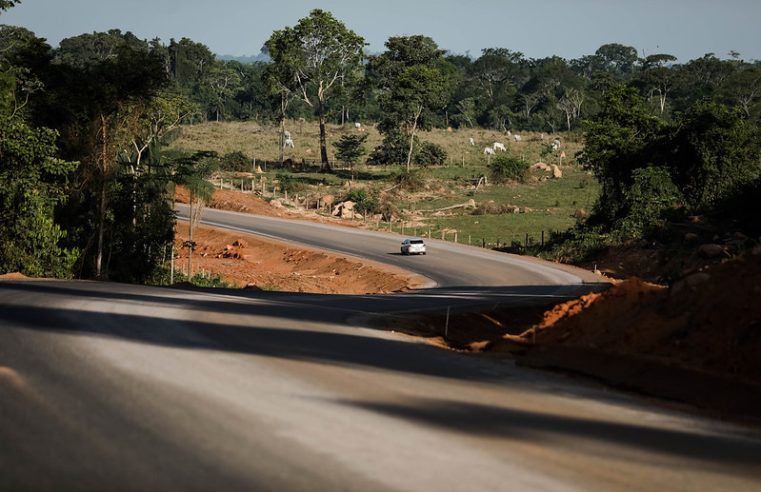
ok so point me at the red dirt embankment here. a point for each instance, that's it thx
(251, 261)
(709, 321)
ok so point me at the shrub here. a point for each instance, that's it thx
(430, 154)
(365, 202)
(409, 180)
(393, 150)
(504, 168)
(650, 196)
(235, 161)
(290, 183)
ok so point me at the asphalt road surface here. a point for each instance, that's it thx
(117, 387)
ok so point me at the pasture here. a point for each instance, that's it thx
(503, 214)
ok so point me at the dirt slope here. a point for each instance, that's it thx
(251, 261)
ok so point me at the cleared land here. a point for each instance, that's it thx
(499, 214)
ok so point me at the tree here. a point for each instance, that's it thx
(615, 144)
(319, 51)
(92, 101)
(412, 85)
(192, 172)
(33, 182)
(713, 153)
(350, 148)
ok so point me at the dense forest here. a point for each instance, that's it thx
(86, 191)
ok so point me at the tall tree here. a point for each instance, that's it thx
(91, 100)
(412, 85)
(319, 51)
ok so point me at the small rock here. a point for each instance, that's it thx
(691, 237)
(580, 213)
(556, 172)
(276, 204)
(691, 282)
(711, 250)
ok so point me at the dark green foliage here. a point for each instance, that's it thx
(365, 202)
(649, 199)
(235, 161)
(616, 143)
(713, 152)
(505, 168)
(33, 181)
(289, 183)
(409, 180)
(350, 147)
(393, 149)
(430, 154)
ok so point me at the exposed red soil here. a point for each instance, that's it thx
(251, 261)
(710, 321)
(13, 276)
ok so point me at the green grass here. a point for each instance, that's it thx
(546, 204)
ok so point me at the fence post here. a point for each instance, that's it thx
(525, 244)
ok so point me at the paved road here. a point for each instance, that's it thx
(119, 387)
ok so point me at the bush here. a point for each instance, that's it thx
(504, 168)
(409, 180)
(430, 154)
(235, 161)
(365, 202)
(651, 195)
(289, 183)
(393, 150)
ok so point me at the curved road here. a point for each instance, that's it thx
(119, 387)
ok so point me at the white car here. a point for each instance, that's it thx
(413, 247)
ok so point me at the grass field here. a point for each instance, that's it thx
(543, 203)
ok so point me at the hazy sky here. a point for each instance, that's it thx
(686, 29)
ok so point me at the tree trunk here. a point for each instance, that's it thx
(101, 229)
(412, 138)
(282, 140)
(103, 164)
(191, 199)
(325, 164)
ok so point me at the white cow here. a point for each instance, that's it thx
(288, 143)
(286, 134)
(517, 137)
(499, 146)
(358, 126)
(472, 142)
(488, 151)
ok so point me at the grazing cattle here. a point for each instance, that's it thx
(288, 143)
(472, 142)
(517, 138)
(286, 134)
(488, 151)
(499, 146)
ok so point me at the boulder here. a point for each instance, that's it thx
(580, 213)
(711, 250)
(556, 172)
(691, 237)
(541, 166)
(276, 204)
(690, 282)
(349, 205)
